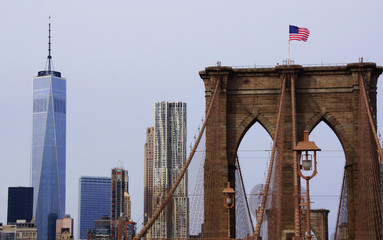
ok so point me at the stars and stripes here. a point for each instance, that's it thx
(298, 34)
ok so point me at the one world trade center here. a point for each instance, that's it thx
(48, 149)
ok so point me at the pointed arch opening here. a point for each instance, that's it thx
(253, 156)
(326, 186)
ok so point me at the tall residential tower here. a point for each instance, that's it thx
(148, 174)
(48, 149)
(169, 158)
(119, 206)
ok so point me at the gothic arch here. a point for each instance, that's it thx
(332, 123)
(252, 119)
(323, 93)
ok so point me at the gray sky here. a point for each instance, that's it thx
(120, 56)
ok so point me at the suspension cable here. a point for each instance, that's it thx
(367, 104)
(267, 184)
(295, 170)
(183, 171)
(373, 181)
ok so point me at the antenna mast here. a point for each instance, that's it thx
(49, 64)
(49, 47)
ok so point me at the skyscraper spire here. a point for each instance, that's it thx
(49, 47)
(49, 64)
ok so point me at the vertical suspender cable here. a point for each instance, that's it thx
(340, 205)
(244, 193)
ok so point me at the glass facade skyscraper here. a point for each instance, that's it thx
(94, 202)
(169, 158)
(48, 150)
(20, 206)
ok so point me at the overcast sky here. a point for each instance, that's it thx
(120, 56)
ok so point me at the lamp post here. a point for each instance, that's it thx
(306, 153)
(228, 202)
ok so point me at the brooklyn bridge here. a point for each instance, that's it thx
(288, 101)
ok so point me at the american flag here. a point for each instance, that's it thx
(299, 34)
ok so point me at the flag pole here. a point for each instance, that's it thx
(288, 60)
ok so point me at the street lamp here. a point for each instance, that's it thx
(228, 202)
(306, 153)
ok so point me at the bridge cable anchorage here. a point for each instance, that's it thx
(183, 171)
(267, 184)
(244, 192)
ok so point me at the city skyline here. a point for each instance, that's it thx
(122, 57)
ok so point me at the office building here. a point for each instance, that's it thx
(126, 228)
(19, 230)
(120, 186)
(64, 228)
(94, 202)
(7, 232)
(148, 174)
(127, 206)
(169, 157)
(101, 229)
(48, 149)
(20, 204)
